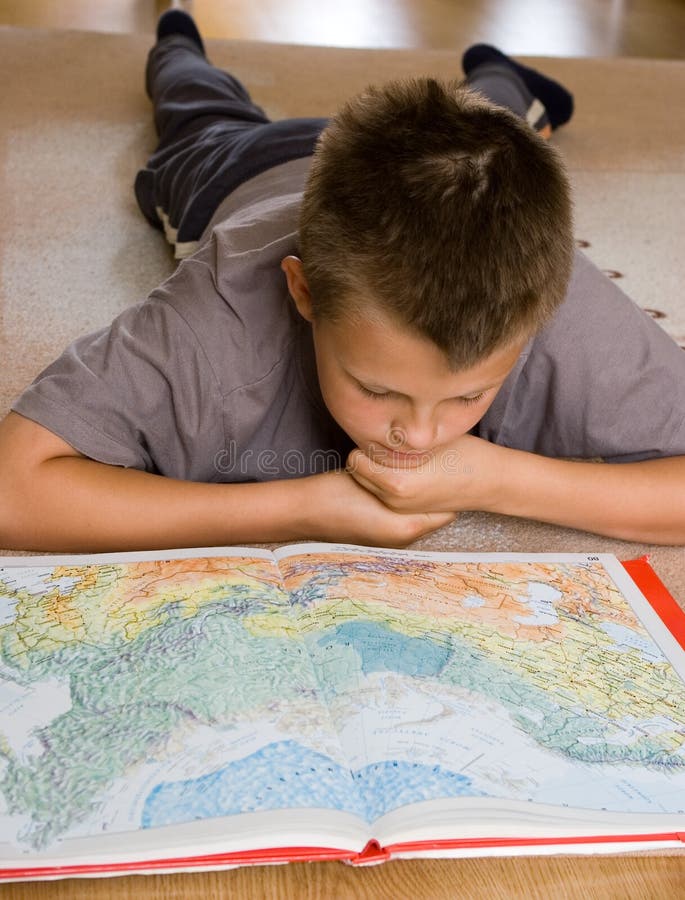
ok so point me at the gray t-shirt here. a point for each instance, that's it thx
(212, 377)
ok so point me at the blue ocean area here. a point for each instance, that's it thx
(282, 775)
(390, 784)
(382, 649)
(286, 775)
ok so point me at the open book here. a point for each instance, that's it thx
(211, 708)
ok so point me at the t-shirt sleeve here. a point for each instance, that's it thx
(602, 380)
(138, 394)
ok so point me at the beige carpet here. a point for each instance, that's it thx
(76, 124)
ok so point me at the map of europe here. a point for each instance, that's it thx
(150, 692)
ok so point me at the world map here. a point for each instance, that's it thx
(151, 692)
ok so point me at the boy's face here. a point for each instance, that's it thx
(392, 392)
(389, 388)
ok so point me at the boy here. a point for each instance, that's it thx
(416, 348)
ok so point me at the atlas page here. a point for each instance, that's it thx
(161, 705)
(496, 695)
(169, 705)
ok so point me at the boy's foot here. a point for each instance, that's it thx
(176, 21)
(503, 86)
(558, 102)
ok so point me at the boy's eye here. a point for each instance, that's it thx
(375, 394)
(475, 399)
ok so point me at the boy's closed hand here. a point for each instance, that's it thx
(463, 476)
(345, 511)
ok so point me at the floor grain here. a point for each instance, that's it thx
(642, 28)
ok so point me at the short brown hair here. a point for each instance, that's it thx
(445, 211)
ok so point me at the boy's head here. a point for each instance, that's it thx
(444, 211)
(439, 217)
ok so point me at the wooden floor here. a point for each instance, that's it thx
(643, 28)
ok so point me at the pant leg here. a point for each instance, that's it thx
(184, 87)
(212, 138)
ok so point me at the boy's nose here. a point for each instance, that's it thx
(416, 434)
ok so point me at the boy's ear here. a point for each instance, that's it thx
(298, 287)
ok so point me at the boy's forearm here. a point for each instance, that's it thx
(73, 504)
(642, 501)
